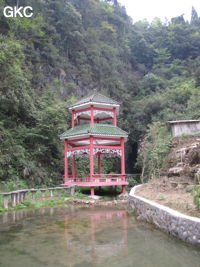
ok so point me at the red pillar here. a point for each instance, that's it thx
(73, 166)
(72, 118)
(99, 164)
(115, 116)
(92, 115)
(92, 191)
(91, 158)
(123, 189)
(65, 161)
(122, 156)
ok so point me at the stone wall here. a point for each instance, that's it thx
(175, 223)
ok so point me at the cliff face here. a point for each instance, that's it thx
(184, 159)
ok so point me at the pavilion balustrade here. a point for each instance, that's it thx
(97, 178)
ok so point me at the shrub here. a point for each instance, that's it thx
(12, 185)
(197, 196)
(153, 151)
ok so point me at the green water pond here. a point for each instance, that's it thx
(74, 236)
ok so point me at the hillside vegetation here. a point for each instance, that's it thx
(68, 49)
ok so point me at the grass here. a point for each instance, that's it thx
(197, 196)
(161, 196)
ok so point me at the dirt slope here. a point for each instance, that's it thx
(181, 173)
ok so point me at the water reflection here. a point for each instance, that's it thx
(73, 236)
(19, 215)
(98, 240)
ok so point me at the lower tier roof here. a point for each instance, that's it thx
(102, 130)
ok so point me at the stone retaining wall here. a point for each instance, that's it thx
(175, 223)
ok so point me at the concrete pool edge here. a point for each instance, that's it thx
(184, 227)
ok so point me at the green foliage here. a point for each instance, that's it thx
(12, 185)
(133, 180)
(24, 149)
(197, 196)
(194, 16)
(153, 151)
(67, 49)
(79, 194)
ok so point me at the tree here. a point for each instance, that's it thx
(70, 47)
(194, 15)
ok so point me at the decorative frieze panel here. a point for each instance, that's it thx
(103, 113)
(96, 112)
(108, 151)
(87, 112)
(78, 152)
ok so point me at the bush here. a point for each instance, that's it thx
(133, 180)
(153, 151)
(197, 196)
(12, 185)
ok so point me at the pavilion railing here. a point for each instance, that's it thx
(97, 178)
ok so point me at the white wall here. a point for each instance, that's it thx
(185, 128)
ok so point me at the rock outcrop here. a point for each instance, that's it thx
(184, 159)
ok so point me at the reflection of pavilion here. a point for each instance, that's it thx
(91, 232)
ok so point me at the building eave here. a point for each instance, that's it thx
(93, 103)
(76, 136)
(183, 121)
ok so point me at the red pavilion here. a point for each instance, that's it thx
(94, 133)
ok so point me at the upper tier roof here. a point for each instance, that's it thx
(96, 100)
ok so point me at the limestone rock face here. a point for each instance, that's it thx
(176, 171)
(189, 188)
(184, 158)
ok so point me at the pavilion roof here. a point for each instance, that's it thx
(95, 98)
(96, 129)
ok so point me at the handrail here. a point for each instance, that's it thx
(97, 179)
(97, 175)
(19, 196)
